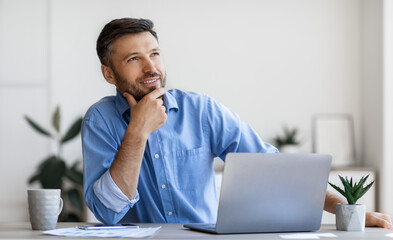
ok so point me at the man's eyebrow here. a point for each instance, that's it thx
(130, 54)
(136, 53)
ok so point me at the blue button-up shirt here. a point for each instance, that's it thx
(176, 181)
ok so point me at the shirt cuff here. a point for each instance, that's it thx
(110, 194)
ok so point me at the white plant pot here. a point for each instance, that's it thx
(350, 217)
(289, 148)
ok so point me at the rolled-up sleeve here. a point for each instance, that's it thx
(117, 200)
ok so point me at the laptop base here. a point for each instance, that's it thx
(203, 227)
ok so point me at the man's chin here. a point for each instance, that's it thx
(138, 95)
(151, 89)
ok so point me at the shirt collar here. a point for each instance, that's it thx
(170, 101)
(123, 106)
(121, 103)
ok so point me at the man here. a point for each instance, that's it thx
(148, 153)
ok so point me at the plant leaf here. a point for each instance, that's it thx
(75, 176)
(45, 161)
(343, 180)
(348, 194)
(365, 189)
(72, 217)
(52, 172)
(37, 176)
(354, 192)
(56, 119)
(37, 127)
(75, 164)
(75, 199)
(359, 187)
(348, 190)
(337, 188)
(73, 131)
(34, 178)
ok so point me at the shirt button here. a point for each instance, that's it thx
(156, 155)
(170, 213)
(163, 186)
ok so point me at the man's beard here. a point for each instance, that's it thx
(133, 88)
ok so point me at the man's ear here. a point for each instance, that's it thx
(108, 74)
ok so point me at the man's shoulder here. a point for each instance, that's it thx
(197, 99)
(181, 96)
(101, 108)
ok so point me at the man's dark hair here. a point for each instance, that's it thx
(116, 29)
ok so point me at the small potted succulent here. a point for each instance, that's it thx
(288, 142)
(351, 216)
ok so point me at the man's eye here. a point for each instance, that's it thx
(155, 54)
(132, 59)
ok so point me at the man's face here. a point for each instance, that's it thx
(137, 65)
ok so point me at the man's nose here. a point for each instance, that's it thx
(149, 66)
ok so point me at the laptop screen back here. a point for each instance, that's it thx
(272, 192)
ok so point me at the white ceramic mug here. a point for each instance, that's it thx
(45, 205)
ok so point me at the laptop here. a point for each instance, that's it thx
(263, 193)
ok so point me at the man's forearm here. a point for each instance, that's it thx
(331, 201)
(147, 116)
(126, 166)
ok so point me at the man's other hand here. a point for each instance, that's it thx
(375, 219)
(148, 114)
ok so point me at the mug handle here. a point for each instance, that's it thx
(60, 206)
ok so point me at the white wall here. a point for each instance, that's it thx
(274, 62)
(23, 90)
(240, 52)
(373, 82)
(378, 95)
(387, 166)
(373, 85)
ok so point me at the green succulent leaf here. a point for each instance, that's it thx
(289, 137)
(37, 127)
(353, 191)
(73, 131)
(348, 194)
(357, 190)
(337, 188)
(343, 180)
(56, 119)
(75, 199)
(365, 189)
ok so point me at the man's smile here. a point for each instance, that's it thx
(149, 82)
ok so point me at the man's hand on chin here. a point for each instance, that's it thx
(375, 219)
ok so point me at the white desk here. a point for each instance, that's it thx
(22, 230)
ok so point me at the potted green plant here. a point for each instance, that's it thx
(351, 216)
(288, 142)
(53, 172)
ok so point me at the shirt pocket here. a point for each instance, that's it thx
(191, 168)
